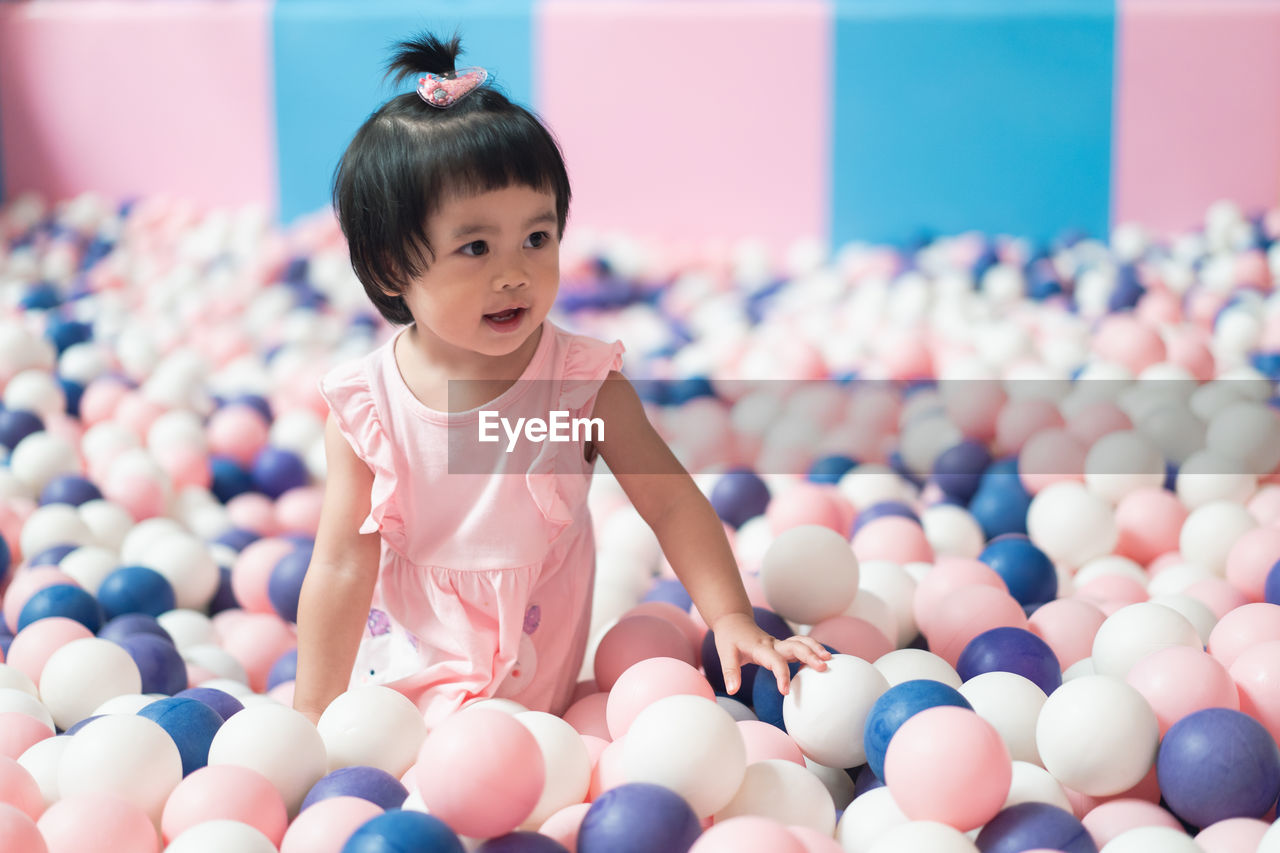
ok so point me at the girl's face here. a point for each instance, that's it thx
(495, 275)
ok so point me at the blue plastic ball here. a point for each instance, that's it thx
(284, 669)
(190, 723)
(1026, 570)
(237, 538)
(285, 584)
(1013, 650)
(229, 479)
(6, 560)
(225, 596)
(41, 296)
(739, 495)
(51, 556)
(766, 699)
(1217, 764)
(897, 705)
(253, 401)
(62, 600)
(400, 831)
(671, 591)
(129, 624)
(17, 424)
(69, 489)
(136, 589)
(639, 817)
(1000, 508)
(1271, 590)
(829, 469)
(219, 700)
(276, 471)
(1031, 826)
(522, 842)
(883, 509)
(67, 333)
(368, 783)
(958, 469)
(163, 670)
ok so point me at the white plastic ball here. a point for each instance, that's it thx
(1193, 610)
(219, 836)
(822, 708)
(1071, 524)
(1079, 669)
(41, 760)
(128, 703)
(924, 835)
(809, 574)
(11, 487)
(41, 457)
(239, 689)
(1031, 783)
(1011, 704)
(952, 531)
(20, 350)
(1174, 579)
(296, 430)
(1209, 532)
(84, 673)
(506, 706)
(893, 585)
(913, 664)
(1111, 565)
(83, 362)
(36, 391)
(186, 563)
(372, 726)
(1207, 477)
(1097, 735)
(50, 525)
(187, 628)
(16, 700)
(689, 745)
(783, 791)
(1270, 842)
(626, 531)
(176, 429)
(736, 709)
(215, 659)
(278, 742)
(124, 755)
(1154, 839)
(567, 763)
(623, 569)
(838, 783)
(752, 542)
(869, 483)
(143, 535)
(13, 678)
(1121, 462)
(1247, 431)
(89, 566)
(873, 610)
(106, 440)
(868, 818)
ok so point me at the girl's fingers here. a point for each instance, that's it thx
(732, 671)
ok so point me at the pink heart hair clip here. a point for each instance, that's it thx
(445, 90)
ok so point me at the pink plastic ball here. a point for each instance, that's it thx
(26, 583)
(1104, 822)
(1179, 680)
(1265, 506)
(325, 826)
(970, 611)
(813, 841)
(225, 791)
(97, 821)
(633, 639)
(1229, 836)
(19, 788)
(975, 411)
(253, 511)
(589, 716)
(1188, 349)
(747, 834)
(948, 575)
(1149, 521)
(1256, 673)
(805, 503)
(238, 431)
(1158, 306)
(562, 826)
(1068, 625)
(100, 399)
(1126, 340)
(948, 765)
(765, 741)
(1021, 419)
(35, 643)
(1250, 560)
(893, 538)
(1218, 595)
(1112, 591)
(186, 466)
(1051, 456)
(142, 495)
(608, 772)
(1147, 790)
(647, 681)
(252, 572)
(1244, 627)
(258, 641)
(19, 732)
(298, 510)
(682, 619)
(1096, 420)
(19, 832)
(481, 772)
(583, 689)
(850, 635)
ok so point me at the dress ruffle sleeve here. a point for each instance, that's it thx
(555, 477)
(346, 389)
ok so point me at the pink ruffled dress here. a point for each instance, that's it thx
(485, 582)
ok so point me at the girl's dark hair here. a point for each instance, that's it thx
(408, 155)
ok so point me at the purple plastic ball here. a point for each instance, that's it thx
(276, 471)
(285, 584)
(958, 469)
(738, 496)
(128, 624)
(163, 669)
(639, 817)
(219, 700)
(1217, 764)
(368, 783)
(522, 842)
(1013, 650)
(1030, 826)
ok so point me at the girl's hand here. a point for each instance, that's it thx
(740, 640)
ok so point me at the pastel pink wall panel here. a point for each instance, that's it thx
(1197, 109)
(688, 121)
(135, 99)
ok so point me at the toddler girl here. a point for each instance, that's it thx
(441, 569)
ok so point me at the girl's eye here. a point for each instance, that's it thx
(473, 244)
(542, 238)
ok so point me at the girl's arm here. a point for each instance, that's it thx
(334, 603)
(692, 537)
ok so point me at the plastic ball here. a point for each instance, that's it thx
(18, 831)
(136, 589)
(521, 842)
(1210, 532)
(1243, 627)
(823, 707)
(644, 683)
(97, 821)
(1071, 524)
(894, 707)
(131, 624)
(69, 489)
(216, 835)
(1035, 825)
(1178, 680)
(17, 424)
(1123, 462)
(82, 674)
(276, 471)
(372, 725)
(1133, 632)
(690, 745)
(1011, 704)
(122, 754)
(897, 540)
(566, 762)
(190, 723)
(784, 792)
(1025, 569)
(1149, 521)
(481, 771)
(64, 600)
(809, 574)
(278, 742)
(912, 663)
(739, 495)
(1012, 650)
(370, 783)
(188, 566)
(162, 669)
(947, 764)
(748, 834)
(1251, 560)
(970, 611)
(1097, 735)
(1199, 786)
(326, 826)
(1226, 836)
(639, 817)
(633, 639)
(222, 702)
(958, 469)
(225, 792)
(285, 584)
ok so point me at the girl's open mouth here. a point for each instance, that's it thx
(505, 321)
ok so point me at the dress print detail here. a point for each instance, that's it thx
(532, 618)
(379, 622)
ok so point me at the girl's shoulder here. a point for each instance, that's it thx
(582, 357)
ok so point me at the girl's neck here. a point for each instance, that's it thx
(435, 356)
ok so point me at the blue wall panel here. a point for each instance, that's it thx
(953, 115)
(330, 58)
